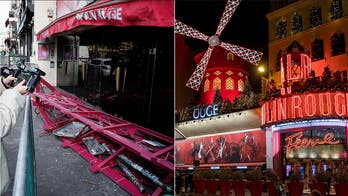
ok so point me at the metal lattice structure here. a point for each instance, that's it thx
(134, 157)
(249, 55)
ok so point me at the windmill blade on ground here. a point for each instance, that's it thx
(230, 8)
(196, 78)
(184, 29)
(249, 55)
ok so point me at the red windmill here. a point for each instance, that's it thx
(249, 55)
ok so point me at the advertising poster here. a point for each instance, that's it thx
(226, 148)
(43, 52)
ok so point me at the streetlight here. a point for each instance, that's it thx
(261, 69)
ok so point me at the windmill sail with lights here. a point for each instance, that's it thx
(249, 55)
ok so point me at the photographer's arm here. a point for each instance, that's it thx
(5, 83)
(11, 103)
(2, 86)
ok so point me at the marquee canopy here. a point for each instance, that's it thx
(113, 13)
(247, 120)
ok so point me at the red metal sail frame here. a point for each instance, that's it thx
(58, 108)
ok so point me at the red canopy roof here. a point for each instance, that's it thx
(131, 13)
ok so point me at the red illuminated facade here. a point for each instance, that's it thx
(305, 118)
(307, 126)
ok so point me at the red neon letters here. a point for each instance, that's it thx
(297, 141)
(305, 105)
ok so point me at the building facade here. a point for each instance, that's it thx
(305, 114)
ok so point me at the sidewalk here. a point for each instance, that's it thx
(59, 171)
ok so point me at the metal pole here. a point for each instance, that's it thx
(21, 187)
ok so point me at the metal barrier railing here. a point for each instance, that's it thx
(25, 177)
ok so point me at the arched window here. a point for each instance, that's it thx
(206, 85)
(229, 84)
(230, 56)
(217, 83)
(240, 85)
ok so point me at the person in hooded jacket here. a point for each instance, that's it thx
(12, 102)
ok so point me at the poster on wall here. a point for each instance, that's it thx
(226, 148)
(43, 51)
(316, 142)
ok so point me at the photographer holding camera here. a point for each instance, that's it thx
(12, 102)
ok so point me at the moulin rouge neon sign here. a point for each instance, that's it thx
(306, 105)
(208, 111)
(298, 141)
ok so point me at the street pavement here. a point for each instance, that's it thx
(59, 171)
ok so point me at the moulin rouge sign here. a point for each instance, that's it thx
(101, 14)
(324, 104)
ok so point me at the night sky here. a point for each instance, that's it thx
(248, 26)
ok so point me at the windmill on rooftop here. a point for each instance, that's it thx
(249, 55)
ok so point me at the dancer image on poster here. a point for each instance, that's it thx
(248, 147)
(221, 146)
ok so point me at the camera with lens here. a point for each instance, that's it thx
(31, 76)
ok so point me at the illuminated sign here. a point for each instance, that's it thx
(323, 142)
(305, 106)
(298, 141)
(101, 14)
(208, 111)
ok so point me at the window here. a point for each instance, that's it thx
(68, 52)
(296, 23)
(229, 84)
(240, 85)
(337, 44)
(336, 10)
(206, 85)
(317, 50)
(281, 28)
(230, 56)
(316, 18)
(217, 83)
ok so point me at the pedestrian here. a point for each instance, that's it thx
(11, 103)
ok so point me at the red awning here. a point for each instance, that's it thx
(130, 13)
